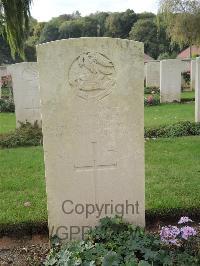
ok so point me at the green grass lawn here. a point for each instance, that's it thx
(166, 114)
(173, 173)
(172, 179)
(22, 180)
(163, 114)
(188, 95)
(7, 122)
(184, 94)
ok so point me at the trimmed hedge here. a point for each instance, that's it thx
(151, 90)
(26, 135)
(179, 129)
(31, 135)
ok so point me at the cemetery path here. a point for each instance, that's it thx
(25, 251)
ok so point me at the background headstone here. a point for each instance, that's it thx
(92, 110)
(197, 91)
(170, 80)
(186, 65)
(25, 81)
(152, 74)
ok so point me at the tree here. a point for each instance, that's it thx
(14, 17)
(155, 39)
(145, 30)
(145, 15)
(100, 18)
(50, 32)
(70, 29)
(182, 18)
(5, 54)
(119, 24)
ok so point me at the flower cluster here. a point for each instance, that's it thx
(184, 220)
(169, 235)
(172, 235)
(187, 231)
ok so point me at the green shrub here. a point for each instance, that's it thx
(186, 77)
(185, 100)
(175, 130)
(152, 100)
(115, 242)
(25, 135)
(7, 105)
(151, 90)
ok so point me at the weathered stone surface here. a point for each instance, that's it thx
(186, 65)
(92, 110)
(26, 92)
(197, 91)
(153, 74)
(170, 80)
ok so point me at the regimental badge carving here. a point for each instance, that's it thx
(92, 75)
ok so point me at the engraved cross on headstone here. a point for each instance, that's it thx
(95, 166)
(33, 108)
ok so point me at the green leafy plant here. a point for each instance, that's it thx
(26, 135)
(114, 242)
(179, 129)
(186, 77)
(151, 100)
(151, 90)
(7, 105)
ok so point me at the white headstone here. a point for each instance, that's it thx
(170, 80)
(92, 110)
(197, 91)
(26, 92)
(186, 65)
(153, 74)
(193, 74)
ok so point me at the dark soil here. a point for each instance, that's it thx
(25, 251)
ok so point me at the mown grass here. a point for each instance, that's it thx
(184, 95)
(22, 180)
(188, 95)
(7, 122)
(163, 114)
(166, 114)
(173, 173)
(172, 179)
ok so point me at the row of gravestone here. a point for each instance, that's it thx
(165, 74)
(157, 72)
(92, 106)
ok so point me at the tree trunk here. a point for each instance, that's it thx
(190, 51)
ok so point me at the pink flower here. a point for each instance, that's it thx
(187, 231)
(168, 235)
(184, 220)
